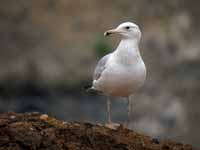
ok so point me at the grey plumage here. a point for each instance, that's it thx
(100, 67)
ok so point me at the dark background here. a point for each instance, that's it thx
(49, 48)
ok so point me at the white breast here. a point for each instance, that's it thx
(124, 72)
(122, 77)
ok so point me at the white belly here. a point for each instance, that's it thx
(119, 80)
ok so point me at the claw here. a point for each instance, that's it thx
(113, 126)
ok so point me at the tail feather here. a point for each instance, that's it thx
(87, 87)
(91, 89)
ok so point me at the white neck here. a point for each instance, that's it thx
(128, 47)
(128, 52)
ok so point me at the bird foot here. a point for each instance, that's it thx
(113, 126)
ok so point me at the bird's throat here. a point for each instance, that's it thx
(128, 50)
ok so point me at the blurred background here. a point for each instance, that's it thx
(49, 48)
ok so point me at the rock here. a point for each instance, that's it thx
(34, 131)
(44, 117)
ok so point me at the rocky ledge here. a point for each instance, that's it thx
(35, 131)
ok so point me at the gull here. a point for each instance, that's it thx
(122, 72)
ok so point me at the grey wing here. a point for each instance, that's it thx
(100, 67)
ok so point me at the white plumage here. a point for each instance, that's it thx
(122, 72)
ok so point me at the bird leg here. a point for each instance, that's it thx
(110, 124)
(129, 110)
(108, 110)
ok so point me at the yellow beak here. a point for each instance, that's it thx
(112, 31)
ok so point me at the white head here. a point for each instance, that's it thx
(127, 30)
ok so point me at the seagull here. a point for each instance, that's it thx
(122, 72)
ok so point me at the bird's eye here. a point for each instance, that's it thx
(127, 27)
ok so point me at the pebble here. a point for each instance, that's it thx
(12, 117)
(44, 117)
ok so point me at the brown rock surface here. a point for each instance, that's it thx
(33, 131)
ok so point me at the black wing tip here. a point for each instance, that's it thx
(89, 88)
